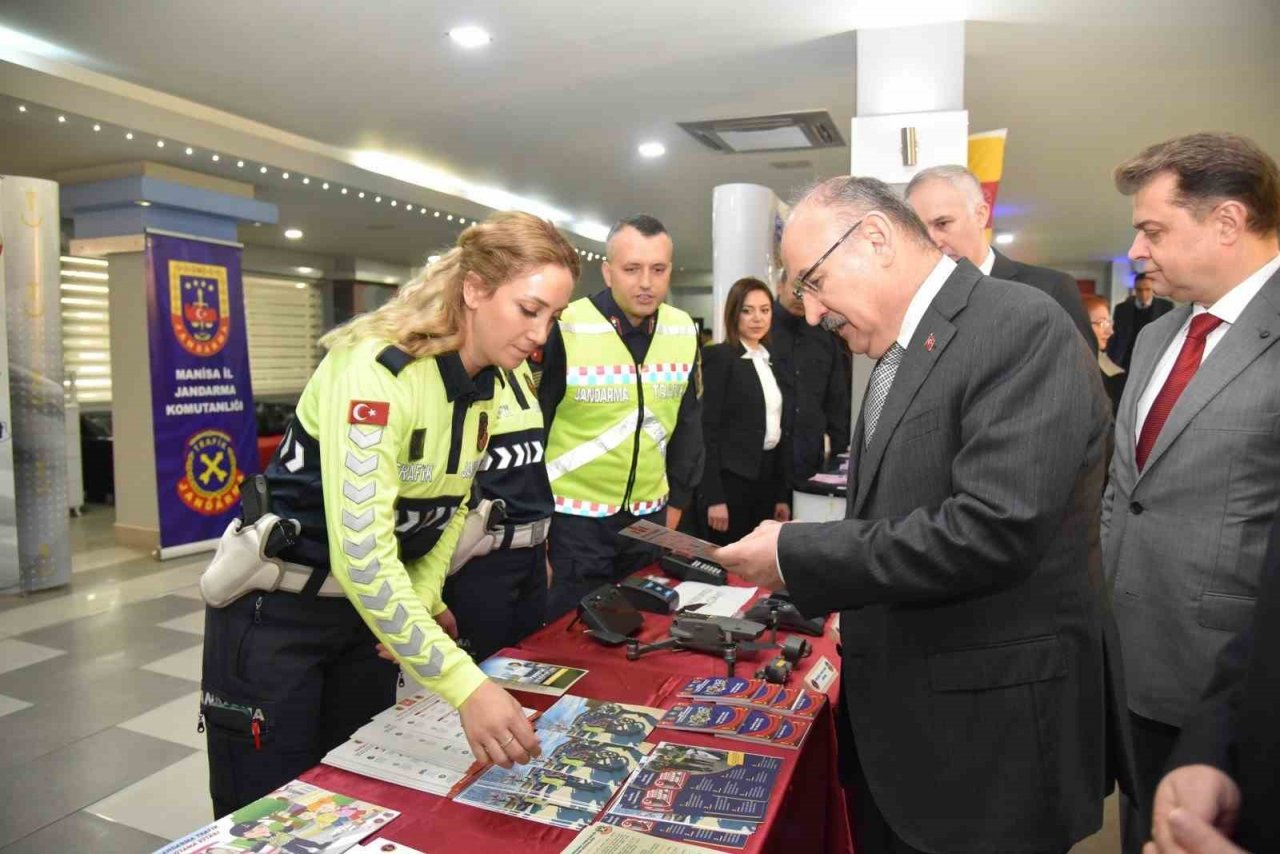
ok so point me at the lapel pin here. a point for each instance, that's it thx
(930, 342)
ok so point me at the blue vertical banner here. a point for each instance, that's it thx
(202, 401)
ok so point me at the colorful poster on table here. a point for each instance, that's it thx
(202, 402)
(986, 161)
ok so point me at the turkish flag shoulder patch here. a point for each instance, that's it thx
(369, 412)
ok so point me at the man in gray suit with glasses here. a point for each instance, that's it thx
(1195, 479)
(967, 573)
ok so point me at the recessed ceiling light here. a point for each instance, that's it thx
(307, 271)
(190, 150)
(409, 208)
(306, 180)
(129, 135)
(143, 203)
(325, 185)
(239, 164)
(1004, 238)
(299, 284)
(422, 211)
(437, 213)
(22, 108)
(378, 199)
(215, 158)
(293, 233)
(159, 143)
(284, 175)
(344, 191)
(470, 36)
(652, 149)
(361, 194)
(263, 170)
(62, 120)
(393, 203)
(97, 128)
(449, 217)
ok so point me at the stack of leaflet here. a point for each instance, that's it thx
(697, 795)
(745, 709)
(589, 747)
(418, 743)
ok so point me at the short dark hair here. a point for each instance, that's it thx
(649, 226)
(855, 197)
(1138, 277)
(734, 302)
(1211, 168)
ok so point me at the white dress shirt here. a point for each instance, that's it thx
(1229, 309)
(988, 262)
(923, 298)
(772, 395)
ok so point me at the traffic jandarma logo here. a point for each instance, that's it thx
(211, 479)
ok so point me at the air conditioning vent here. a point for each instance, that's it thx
(791, 164)
(784, 132)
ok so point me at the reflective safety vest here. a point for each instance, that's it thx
(608, 445)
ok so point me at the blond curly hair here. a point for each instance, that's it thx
(424, 318)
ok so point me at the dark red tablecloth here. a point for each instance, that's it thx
(807, 813)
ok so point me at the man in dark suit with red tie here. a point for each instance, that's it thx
(1195, 478)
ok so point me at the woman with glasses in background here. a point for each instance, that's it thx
(1113, 376)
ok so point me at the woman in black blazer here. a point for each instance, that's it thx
(743, 482)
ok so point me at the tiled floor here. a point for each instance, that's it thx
(98, 705)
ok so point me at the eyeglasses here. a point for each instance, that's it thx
(1106, 321)
(802, 281)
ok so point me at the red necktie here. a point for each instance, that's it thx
(1183, 370)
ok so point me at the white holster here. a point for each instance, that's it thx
(239, 565)
(478, 537)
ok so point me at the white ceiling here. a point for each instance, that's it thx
(555, 107)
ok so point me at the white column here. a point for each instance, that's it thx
(29, 223)
(744, 219)
(908, 77)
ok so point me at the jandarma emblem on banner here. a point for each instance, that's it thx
(198, 303)
(211, 482)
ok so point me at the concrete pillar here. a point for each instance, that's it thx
(745, 224)
(29, 228)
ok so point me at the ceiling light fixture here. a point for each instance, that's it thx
(190, 150)
(470, 36)
(306, 180)
(1004, 238)
(361, 195)
(293, 233)
(299, 284)
(22, 108)
(142, 203)
(325, 185)
(129, 135)
(409, 208)
(159, 143)
(97, 128)
(215, 158)
(378, 199)
(284, 175)
(652, 149)
(344, 191)
(263, 170)
(307, 271)
(62, 120)
(437, 213)
(393, 203)
(239, 164)
(449, 217)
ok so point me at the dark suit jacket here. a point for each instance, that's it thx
(733, 422)
(1125, 331)
(1235, 729)
(968, 576)
(812, 366)
(1060, 286)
